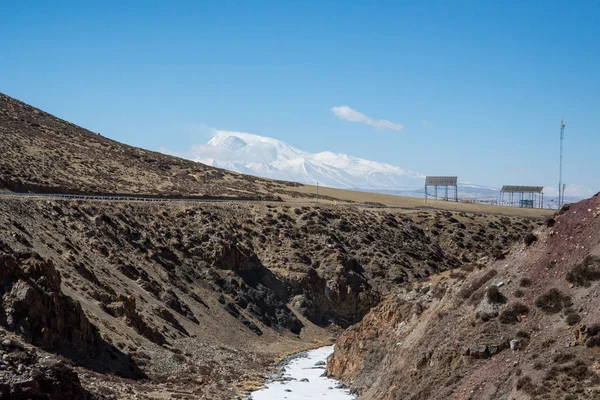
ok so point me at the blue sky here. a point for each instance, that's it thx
(491, 80)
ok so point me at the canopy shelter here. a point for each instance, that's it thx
(522, 196)
(443, 182)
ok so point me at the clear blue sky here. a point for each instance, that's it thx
(491, 78)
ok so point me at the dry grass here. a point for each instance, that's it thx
(403, 201)
(586, 272)
(553, 301)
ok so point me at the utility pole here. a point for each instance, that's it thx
(561, 190)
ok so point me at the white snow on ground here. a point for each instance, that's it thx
(317, 387)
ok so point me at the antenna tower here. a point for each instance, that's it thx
(561, 190)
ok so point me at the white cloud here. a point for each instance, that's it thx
(350, 114)
(570, 191)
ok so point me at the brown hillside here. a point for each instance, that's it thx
(200, 292)
(42, 153)
(451, 337)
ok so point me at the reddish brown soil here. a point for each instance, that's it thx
(445, 339)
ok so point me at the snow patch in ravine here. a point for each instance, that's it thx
(289, 385)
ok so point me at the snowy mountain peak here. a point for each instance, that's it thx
(235, 139)
(246, 147)
(230, 142)
(271, 158)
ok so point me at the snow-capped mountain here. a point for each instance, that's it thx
(271, 158)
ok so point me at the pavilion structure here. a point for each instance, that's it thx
(443, 183)
(522, 196)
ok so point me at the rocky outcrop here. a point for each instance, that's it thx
(34, 306)
(24, 375)
(336, 293)
(49, 382)
(124, 307)
(234, 257)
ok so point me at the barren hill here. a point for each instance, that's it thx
(523, 327)
(43, 153)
